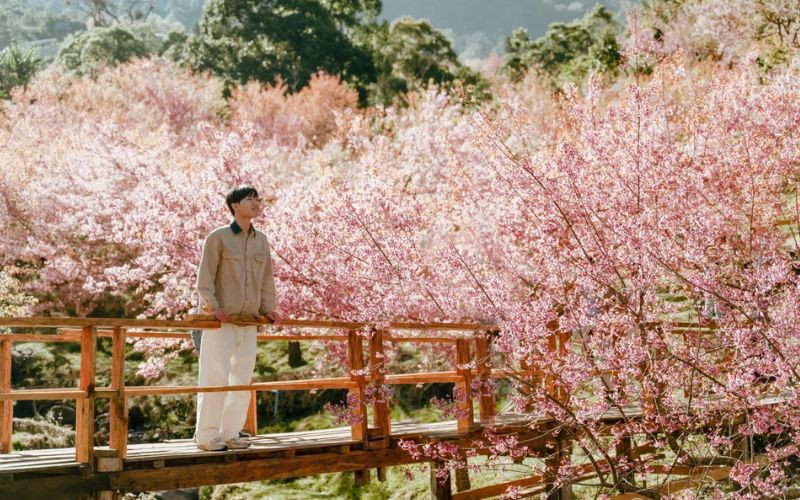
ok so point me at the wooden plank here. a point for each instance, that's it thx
(466, 419)
(118, 404)
(84, 413)
(6, 407)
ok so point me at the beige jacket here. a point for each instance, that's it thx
(235, 272)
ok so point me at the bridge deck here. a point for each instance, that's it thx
(62, 460)
(183, 451)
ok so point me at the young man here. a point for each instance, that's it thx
(235, 278)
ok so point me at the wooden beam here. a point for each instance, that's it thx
(6, 406)
(188, 476)
(118, 404)
(44, 394)
(193, 321)
(498, 489)
(422, 378)
(281, 385)
(84, 413)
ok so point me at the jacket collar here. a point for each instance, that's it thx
(236, 229)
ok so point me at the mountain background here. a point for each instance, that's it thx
(477, 28)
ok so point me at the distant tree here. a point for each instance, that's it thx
(88, 51)
(519, 54)
(410, 54)
(568, 51)
(21, 21)
(243, 40)
(17, 67)
(104, 13)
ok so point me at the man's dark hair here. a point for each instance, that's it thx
(239, 193)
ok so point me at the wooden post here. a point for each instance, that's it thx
(563, 492)
(564, 338)
(462, 479)
(251, 423)
(381, 417)
(84, 407)
(6, 407)
(118, 405)
(440, 488)
(380, 410)
(487, 408)
(625, 449)
(355, 354)
(466, 420)
(359, 431)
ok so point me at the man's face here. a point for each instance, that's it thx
(248, 207)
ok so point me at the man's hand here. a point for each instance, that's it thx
(270, 317)
(220, 315)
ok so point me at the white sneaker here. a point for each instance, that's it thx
(216, 444)
(238, 443)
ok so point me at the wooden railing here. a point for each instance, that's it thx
(472, 361)
(366, 365)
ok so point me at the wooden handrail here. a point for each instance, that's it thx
(86, 331)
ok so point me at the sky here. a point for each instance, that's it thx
(477, 26)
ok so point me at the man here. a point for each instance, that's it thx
(234, 278)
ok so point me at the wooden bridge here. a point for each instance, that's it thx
(107, 471)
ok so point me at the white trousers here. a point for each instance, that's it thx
(227, 357)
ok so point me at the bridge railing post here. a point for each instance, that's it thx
(6, 407)
(84, 408)
(251, 422)
(118, 405)
(381, 418)
(356, 393)
(466, 419)
(359, 428)
(487, 408)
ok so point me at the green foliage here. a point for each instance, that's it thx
(290, 40)
(568, 51)
(13, 301)
(17, 68)
(25, 21)
(88, 51)
(39, 434)
(410, 55)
